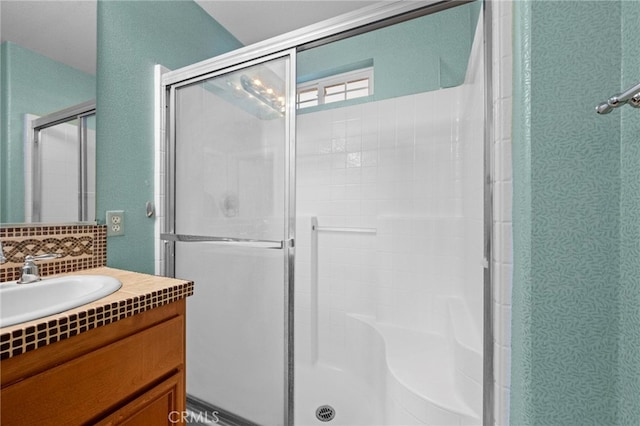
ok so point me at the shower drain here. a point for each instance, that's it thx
(325, 413)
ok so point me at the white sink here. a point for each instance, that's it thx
(25, 302)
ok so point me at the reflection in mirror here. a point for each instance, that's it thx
(60, 165)
(48, 51)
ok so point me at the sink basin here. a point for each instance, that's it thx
(25, 302)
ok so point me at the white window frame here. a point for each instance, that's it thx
(342, 78)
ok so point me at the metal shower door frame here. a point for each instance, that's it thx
(287, 244)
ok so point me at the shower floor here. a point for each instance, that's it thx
(354, 403)
(319, 385)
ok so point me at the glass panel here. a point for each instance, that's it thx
(334, 98)
(308, 95)
(60, 171)
(357, 93)
(389, 229)
(235, 337)
(358, 84)
(230, 182)
(308, 104)
(308, 98)
(337, 88)
(230, 155)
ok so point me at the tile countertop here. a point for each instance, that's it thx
(139, 293)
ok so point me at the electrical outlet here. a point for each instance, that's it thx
(115, 223)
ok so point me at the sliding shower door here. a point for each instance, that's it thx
(231, 233)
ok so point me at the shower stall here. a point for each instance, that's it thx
(326, 191)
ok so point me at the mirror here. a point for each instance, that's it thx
(48, 51)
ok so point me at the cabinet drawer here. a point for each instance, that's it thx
(97, 383)
(161, 405)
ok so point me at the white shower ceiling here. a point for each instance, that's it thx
(65, 30)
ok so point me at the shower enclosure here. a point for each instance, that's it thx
(327, 195)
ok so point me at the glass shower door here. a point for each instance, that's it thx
(233, 237)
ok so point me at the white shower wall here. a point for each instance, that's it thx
(471, 127)
(411, 167)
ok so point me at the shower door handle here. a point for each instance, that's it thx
(235, 242)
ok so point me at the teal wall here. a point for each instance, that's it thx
(133, 36)
(629, 340)
(576, 292)
(443, 41)
(520, 402)
(33, 84)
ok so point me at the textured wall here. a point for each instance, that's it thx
(566, 205)
(31, 84)
(132, 38)
(629, 355)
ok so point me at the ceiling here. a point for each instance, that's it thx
(65, 30)
(253, 21)
(61, 30)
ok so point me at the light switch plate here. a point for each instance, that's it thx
(115, 223)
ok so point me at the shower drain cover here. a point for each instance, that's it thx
(325, 413)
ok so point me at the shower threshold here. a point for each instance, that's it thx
(201, 413)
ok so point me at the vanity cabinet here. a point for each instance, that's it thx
(130, 372)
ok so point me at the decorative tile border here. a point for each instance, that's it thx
(82, 247)
(20, 341)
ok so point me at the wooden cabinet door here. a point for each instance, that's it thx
(88, 387)
(162, 405)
